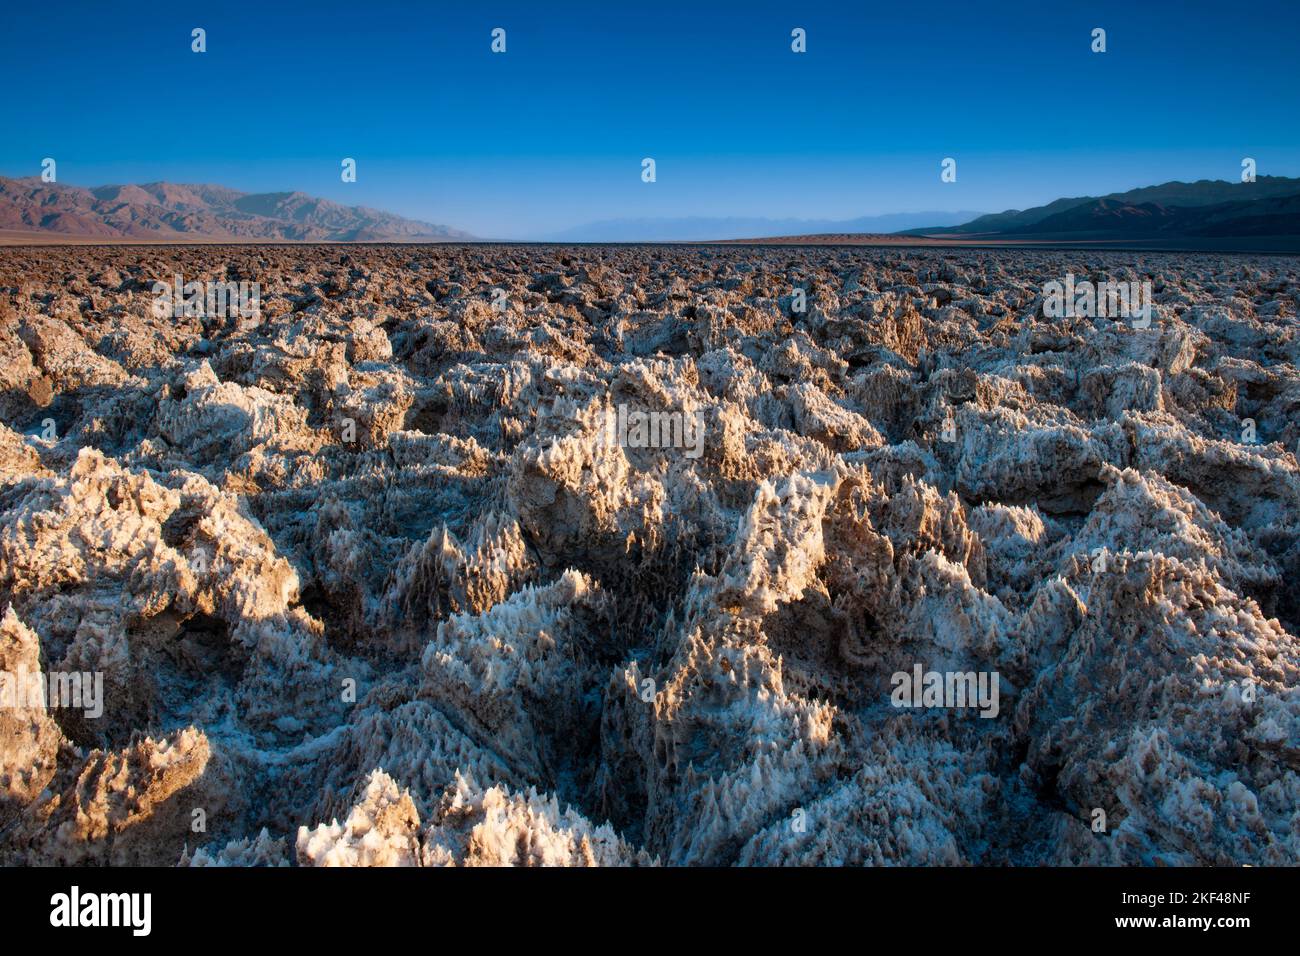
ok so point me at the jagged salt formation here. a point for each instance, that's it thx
(371, 580)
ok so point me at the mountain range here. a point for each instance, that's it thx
(705, 228)
(1205, 212)
(169, 211)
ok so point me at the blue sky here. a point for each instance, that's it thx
(551, 134)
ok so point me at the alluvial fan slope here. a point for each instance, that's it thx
(370, 579)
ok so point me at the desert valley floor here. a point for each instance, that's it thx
(369, 579)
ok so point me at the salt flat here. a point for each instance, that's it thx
(370, 579)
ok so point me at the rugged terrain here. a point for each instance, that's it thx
(369, 582)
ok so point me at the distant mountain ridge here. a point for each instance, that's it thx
(705, 228)
(1268, 207)
(1263, 215)
(181, 212)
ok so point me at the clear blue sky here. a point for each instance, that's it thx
(551, 134)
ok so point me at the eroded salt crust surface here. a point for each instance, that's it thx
(568, 651)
